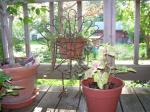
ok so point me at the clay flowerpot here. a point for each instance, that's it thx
(102, 100)
(71, 48)
(24, 77)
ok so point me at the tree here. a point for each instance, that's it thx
(145, 25)
(125, 13)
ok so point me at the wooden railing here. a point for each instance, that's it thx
(109, 23)
(45, 72)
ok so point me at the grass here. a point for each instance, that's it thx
(56, 82)
(137, 84)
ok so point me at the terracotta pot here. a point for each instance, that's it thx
(102, 100)
(24, 77)
(71, 48)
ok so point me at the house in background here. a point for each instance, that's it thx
(121, 35)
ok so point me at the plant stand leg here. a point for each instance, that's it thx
(70, 68)
(64, 90)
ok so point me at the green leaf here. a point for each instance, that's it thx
(12, 10)
(31, 1)
(32, 8)
(14, 93)
(27, 20)
(43, 9)
(37, 11)
(20, 18)
(17, 87)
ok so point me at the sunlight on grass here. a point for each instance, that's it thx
(56, 82)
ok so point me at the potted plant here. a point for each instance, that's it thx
(6, 87)
(71, 48)
(102, 90)
(72, 40)
(25, 77)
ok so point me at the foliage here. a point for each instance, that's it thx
(106, 67)
(125, 13)
(145, 19)
(17, 1)
(1, 48)
(6, 88)
(42, 52)
(145, 25)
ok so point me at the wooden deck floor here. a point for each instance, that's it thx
(131, 100)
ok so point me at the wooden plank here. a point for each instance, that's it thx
(42, 91)
(51, 15)
(79, 15)
(42, 1)
(26, 31)
(4, 36)
(50, 100)
(60, 16)
(59, 110)
(142, 90)
(136, 31)
(70, 100)
(45, 71)
(142, 73)
(144, 96)
(83, 106)
(119, 109)
(10, 41)
(113, 22)
(52, 29)
(130, 102)
(109, 21)
(6, 32)
(145, 101)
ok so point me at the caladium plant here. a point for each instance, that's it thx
(106, 67)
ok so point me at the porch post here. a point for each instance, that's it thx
(79, 14)
(109, 22)
(136, 31)
(60, 16)
(26, 31)
(4, 36)
(10, 40)
(51, 15)
(52, 29)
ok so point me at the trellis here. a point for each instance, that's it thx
(109, 24)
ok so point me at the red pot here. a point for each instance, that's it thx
(102, 100)
(24, 77)
(71, 48)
